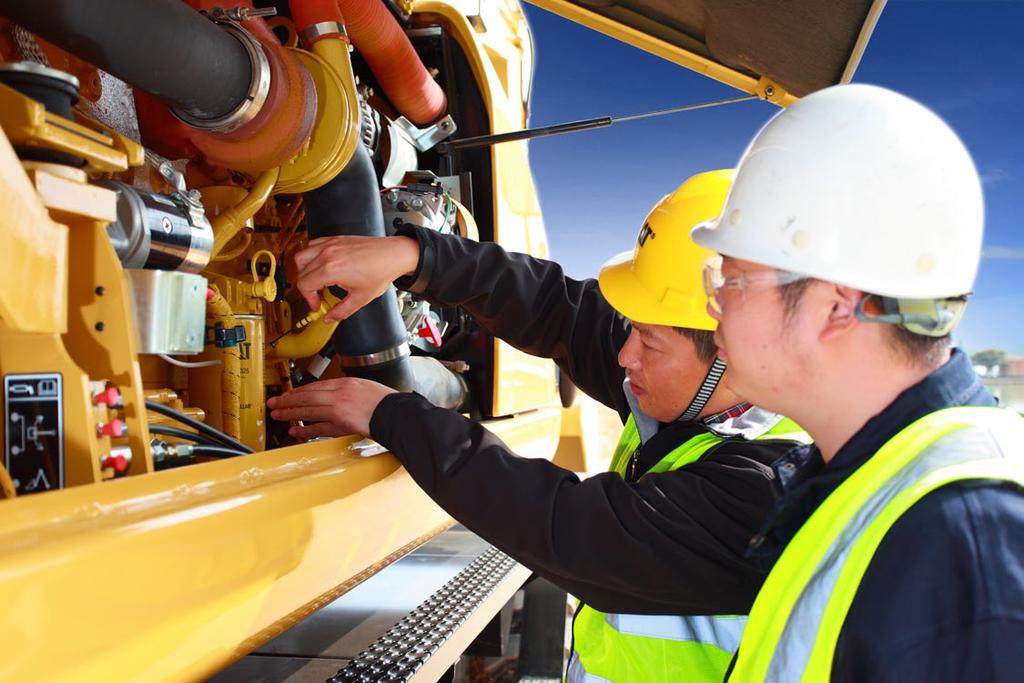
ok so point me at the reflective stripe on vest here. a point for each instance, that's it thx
(720, 631)
(796, 619)
(575, 673)
(633, 647)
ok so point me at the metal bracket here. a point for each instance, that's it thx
(426, 138)
(241, 13)
(188, 200)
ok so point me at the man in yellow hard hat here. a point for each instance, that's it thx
(654, 549)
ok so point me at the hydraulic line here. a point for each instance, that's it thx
(229, 223)
(217, 451)
(180, 459)
(206, 429)
(174, 432)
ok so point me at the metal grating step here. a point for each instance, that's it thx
(402, 650)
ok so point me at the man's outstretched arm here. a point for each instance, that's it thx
(525, 301)
(672, 543)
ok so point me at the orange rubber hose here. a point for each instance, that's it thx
(387, 50)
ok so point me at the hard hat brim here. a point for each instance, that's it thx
(627, 294)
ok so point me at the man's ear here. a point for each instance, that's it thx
(842, 316)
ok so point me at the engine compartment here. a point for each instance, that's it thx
(191, 149)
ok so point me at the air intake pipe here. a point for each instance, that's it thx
(240, 100)
(372, 342)
(163, 47)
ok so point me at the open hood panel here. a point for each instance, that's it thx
(777, 50)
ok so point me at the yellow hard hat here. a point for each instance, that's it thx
(659, 282)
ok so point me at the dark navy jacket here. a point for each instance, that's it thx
(943, 597)
(666, 543)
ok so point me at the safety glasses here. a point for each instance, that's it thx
(715, 282)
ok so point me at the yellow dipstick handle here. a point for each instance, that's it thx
(327, 302)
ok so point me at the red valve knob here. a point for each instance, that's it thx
(113, 428)
(428, 330)
(118, 463)
(109, 397)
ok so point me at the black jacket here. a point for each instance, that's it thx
(671, 543)
(943, 596)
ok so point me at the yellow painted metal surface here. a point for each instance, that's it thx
(763, 88)
(498, 41)
(171, 576)
(26, 122)
(100, 340)
(35, 250)
(590, 431)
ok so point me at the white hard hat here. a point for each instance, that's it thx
(860, 186)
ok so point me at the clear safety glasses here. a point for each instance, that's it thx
(715, 282)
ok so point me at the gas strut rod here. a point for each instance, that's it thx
(574, 126)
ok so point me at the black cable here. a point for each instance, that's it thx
(206, 429)
(216, 451)
(176, 433)
(171, 463)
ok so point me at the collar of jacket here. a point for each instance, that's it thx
(804, 480)
(749, 424)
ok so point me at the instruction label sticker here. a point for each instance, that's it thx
(34, 431)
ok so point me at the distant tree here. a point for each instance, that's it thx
(990, 358)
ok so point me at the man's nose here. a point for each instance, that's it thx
(628, 356)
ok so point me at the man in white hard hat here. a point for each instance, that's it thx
(653, 548)
(849, 243)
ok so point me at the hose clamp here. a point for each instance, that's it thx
(378, 358)
(323, 29)
(255, 96)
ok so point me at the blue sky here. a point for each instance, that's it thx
(962, 59)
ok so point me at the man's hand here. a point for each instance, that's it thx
(336, 407)
(362, 266)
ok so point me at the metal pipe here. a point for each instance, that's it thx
(162, 47)
(575, 126)
(438, 384)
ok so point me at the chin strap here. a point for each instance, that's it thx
(707, 387)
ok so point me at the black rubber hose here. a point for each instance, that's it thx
(216, 451)
(350, 205)
(174, 432)
(206, 429)
(163, 47)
